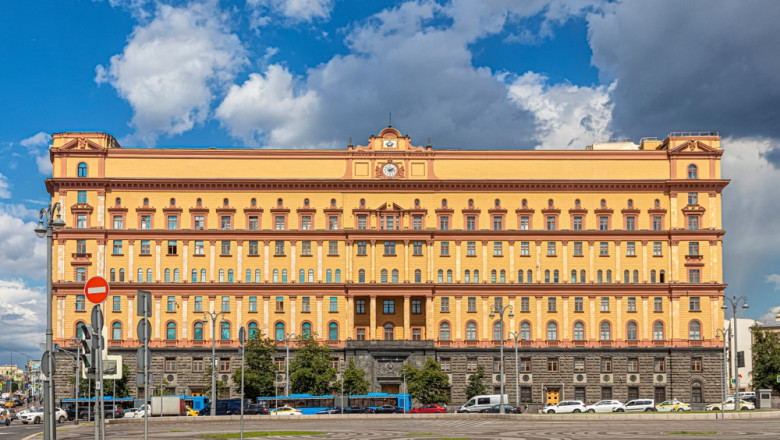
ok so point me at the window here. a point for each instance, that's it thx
(389, 248)
(606, 393)
(693, 275)
(389, 332)
(525, 331)
(552, 331)
(252, 304)
(498, 249)
(579, 331)
(577, 248)
(498, 223)
(444, 331)
(199, 222)
(279, 248)
(417, 222)
(253, 223)
(253, 248)
(280, 304)
(362, 223)
(550, 248)
(333, 222)
(449, 275)
(361, 334)
(694, 331)
(631, 304)
(525, 222)
(116, 331)
(360, 307)
(388, 307)
(361, 276)
(225, 303)
(471, 365)
(198, 334)
(631, 249)
(118, 222)
(578, 304)
(693, 304)
(606, 365)
(417, 247)
(445, 305)
(659, 365)
(279, 223)
(80, 305)
(81, 274)
(525, 248)
(579, 365)
(444, 223)
(630, 223)
(605, 304)
(551, 304)
(552, 365)
(693, 198)
(333, 331)
(82, 169)
(577, 222)
(693, 222)
(417, 276)
(471, 248)
(603, 249)
(81, 221)
(471, 331)
(657, 226)
(445, 248)
(550, 222)
(253, 330)
(605, 331)
(383, 276)
(524, 304)
(471, 222)
(471, 304)
(692, 172)
(696, 365)
(170, 331)
(631, 331)
(657, 249)
(199, 247)
(361, 247)
(603, 223)
(658, 331)
(334, 304)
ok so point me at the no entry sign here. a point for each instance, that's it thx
(96, 290)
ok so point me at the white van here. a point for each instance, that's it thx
(478, 403)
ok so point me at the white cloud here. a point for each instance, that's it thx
(172, 67)
(22, 253)
(21, 308)
(774, 278)
(38, 140)
(301, 10)
(37, 146)
(5, 192)
(770, 317)
(567, 116)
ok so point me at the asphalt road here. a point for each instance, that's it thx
(448, 426)
(18, 430)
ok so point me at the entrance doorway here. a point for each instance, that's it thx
(553, 396)
(390, 389)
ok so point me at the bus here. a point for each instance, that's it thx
(373, 400)
(195, 402)
(309, 404)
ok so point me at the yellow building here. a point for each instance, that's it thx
(609, 258)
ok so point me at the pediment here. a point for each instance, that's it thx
(693, 146)
(81, 143)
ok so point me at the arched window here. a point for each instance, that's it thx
(279, 331)
(476, 275)
(198, 202)
(328, 276)
(416, 203)
(203, 275)
(658, 331)
(170, 331)
(175, 275)
(636, 276)
(692, 172)
(661, 276)
(552, 331)
(306, 330)
(116, 331)
(497, 333)
(502, 276)
(362, 276)
(467, 276)
(630, 203)
(626, 277)
(605, 333)
(82, 169)
(148, 275)
(555, 276)
(603, 203)
(497, 203)
(395, 275)
(530, 276)
(389, 332)
(146, 201)
(444, 331)
(311, 275)
(253, 202)
(253, 330)
(652, 276)
(579, 331)
(230, 276)
(306, 202)
(224, 331)
(547, 276)
(449, 275)
(694, 331)
(112, 277)
(525, 331)
(121, 275)
(225, 203)
(222, 275)
(173, 202)
(576, 203)
(609, 275)
(524, 203)
(140, 275)
(333, 331)
(493, 276)
(118, 201)
(301, 276)
(383, 276)
(471, 331)
(631, 331)
(194, 275)
(197, 333)
(440, 273)
(279, 202)
(471, 203)
(333, 203)
(248, 276)
(167, 275)
(520, 276)
(417, 276)
(362, 202)
(573, 275)
(582, 276)
(257, 275)
(599, 276)
(550, 203)
(284, 275)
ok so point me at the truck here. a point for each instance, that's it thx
(163, 406)
(478, 403)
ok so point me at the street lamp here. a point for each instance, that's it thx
(500, 310)
(725, 334)
(734, 303)
(47, 222)
(287, 364)
(516, 335)
(213, 317)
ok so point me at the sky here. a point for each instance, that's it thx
(554, 74)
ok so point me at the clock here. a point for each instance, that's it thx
(390, 144)
(389, 170)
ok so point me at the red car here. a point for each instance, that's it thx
(428, 409)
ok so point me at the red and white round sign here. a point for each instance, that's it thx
(96, 290)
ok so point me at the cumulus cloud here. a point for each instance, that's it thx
(693, 65)
(38, 140)
(300, 10)
(5, 192)
(37, 146)
(774, 278)
(22, 253)
(770, 317)
(567, 116)
(21, 307)
(172, 67)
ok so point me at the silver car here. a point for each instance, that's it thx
(606, 406)
(641, 405)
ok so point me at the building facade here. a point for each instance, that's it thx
(607, 260)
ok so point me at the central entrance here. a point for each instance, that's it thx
(390, 389)
(553, 396)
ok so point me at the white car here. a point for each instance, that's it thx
(606, 406)
(728, 405)
(32, 416)
(646, 405)
(566, 406)
(130, 413)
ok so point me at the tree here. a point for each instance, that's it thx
(311, 367)
(260, 368)
(354, 381)
(87, 387)
(428, 385)
(475, 386)
(222, 386)
(766, 358)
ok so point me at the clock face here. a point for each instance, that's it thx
(389, 170)
(390, 144)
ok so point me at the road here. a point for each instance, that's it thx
(19, 430)
(481, 427)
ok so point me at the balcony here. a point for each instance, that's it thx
(471, 343)
(605, 343)
(526, 343)
(171, 343)
(444, 343)
(551, 343)
(198, 342)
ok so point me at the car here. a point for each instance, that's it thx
(60, 415)
(256, 408)
(728, 405)
(431, 408)
(641, 405)
(388, 409)
(5, 417)
(606, 406)
(130, 413)
(286, 411)
(330, 410)
(33, 417)
(508, 409)
(358, 410)
(566, 406)
(748, 396)
(673, 405)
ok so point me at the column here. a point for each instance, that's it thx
(619, 324)
(512, 319)
(293, 326)
(593, 324)
(266, 271)
(157, 317)
(712, 209)
(565, 335)
(61, 259)
(185, 326)
(430, 250)
(645, 323)
(319, 314)
(372, 318)
(617, 260)
(714, 261)
(512, 273)
(484, 261)
(429, 325)
(406, 262)
(101, 257)
(349, 330)
(486, 327)
(539, 323)
(673, 209)
(407, 323)
(590, 261)
(674, 262)
(458, 322)
(130, 316)
(565, 277)
(538, 261)
(349, 277)
(101, 208)
(372, 275)
(676, 325)
(319, 262)
(157, 257)
(130, 261)
(293, 255)
(185, 260)
(240, 261)
(239, 310)
(457, 261)
(644, 261)
(212, 258)
(265, 313)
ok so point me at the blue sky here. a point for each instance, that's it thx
(554, 74)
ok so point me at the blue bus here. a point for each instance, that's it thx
(373, 400)
(309, 404)
(195, 402)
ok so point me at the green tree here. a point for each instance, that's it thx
(354, 380)
(260, 368)
(475, 386)
(311, 368)
(766, 358)
(87, 387)
(222, 386)
(428, 385)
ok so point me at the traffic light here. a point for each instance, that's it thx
(740, 359)
(87, 347)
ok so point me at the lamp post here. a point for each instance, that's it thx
(500, 310)
(213, 317)
(47, 222)
(734, 301)
(287, 364)
(725, 334)
(516, 335)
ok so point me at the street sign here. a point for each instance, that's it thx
(96, 290)
(144, 330)
(97, 319)
(45, 364)
(242, 335)
(112, 368)
(140, 358)
(143, 297)
(733, 381)
(139, 379)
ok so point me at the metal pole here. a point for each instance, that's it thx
(287, 367)
(49, 433)
(98, 380)
(725, 378)
(501, 400)
(242, 340)
(213, 365)
(147, 330)
(78, 385)
(99, 355)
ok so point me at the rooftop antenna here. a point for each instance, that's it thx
(390, 120)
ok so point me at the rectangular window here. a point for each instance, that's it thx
(630, 249)
(171, 304)
(525, 365)
(146, 222)
(279, 248)
(361, 247)
(197, 365)
(81, 221)
(225, 303)
(417, 222)
(606, 365)
(80, 305)
(577, 248)
(118, 222)
(306, 248)
(305, 304)
(659, 365)
(603, 223)
(579, 365)
(605, 304)
(550, 248)
(225, 248)
(334, 304)
(362, 222)
(253, 303)
(389, 248)
(173, 222)
(199, 247)
(416, 307)
(305, 222)
(81, 246)
(632, 365)
(552, 365)
(173, 247)
(550, 222)
(279, 222)
(360, 306)
(496, 365)
(579, 393)
(170, 365)
(444, 223)
(224, 365)
(333, 222)
(254, 248)
(445, 305)
(603, 249)
(471, 304)
(525, 222)
(253, 223)
(633, 393)
(630, 223)
(280, 304)
(693, 275)
(198, 304)
(551, 304)
(693, 248)
(388, 307)
(82, 197)
(696, 365)
(657, 226)
(693, 198)
(199, 222)
(525, 249)
(333, 248)
(696, 394)
(361, 334)
(660, 394)
(606, 393)
(117, 304)
(657, 249)
(693, 222)
(471, 365)
(471, 248)
(658, 304)
(471, 222)
(693, 304)
(577, 222)
(525, 304)
(578, 304)
(525, 395)
(445, 365)
(498, 249)
(417, 247)
(146, 247)
(498, 223)
(631, 304)
(445, 248)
